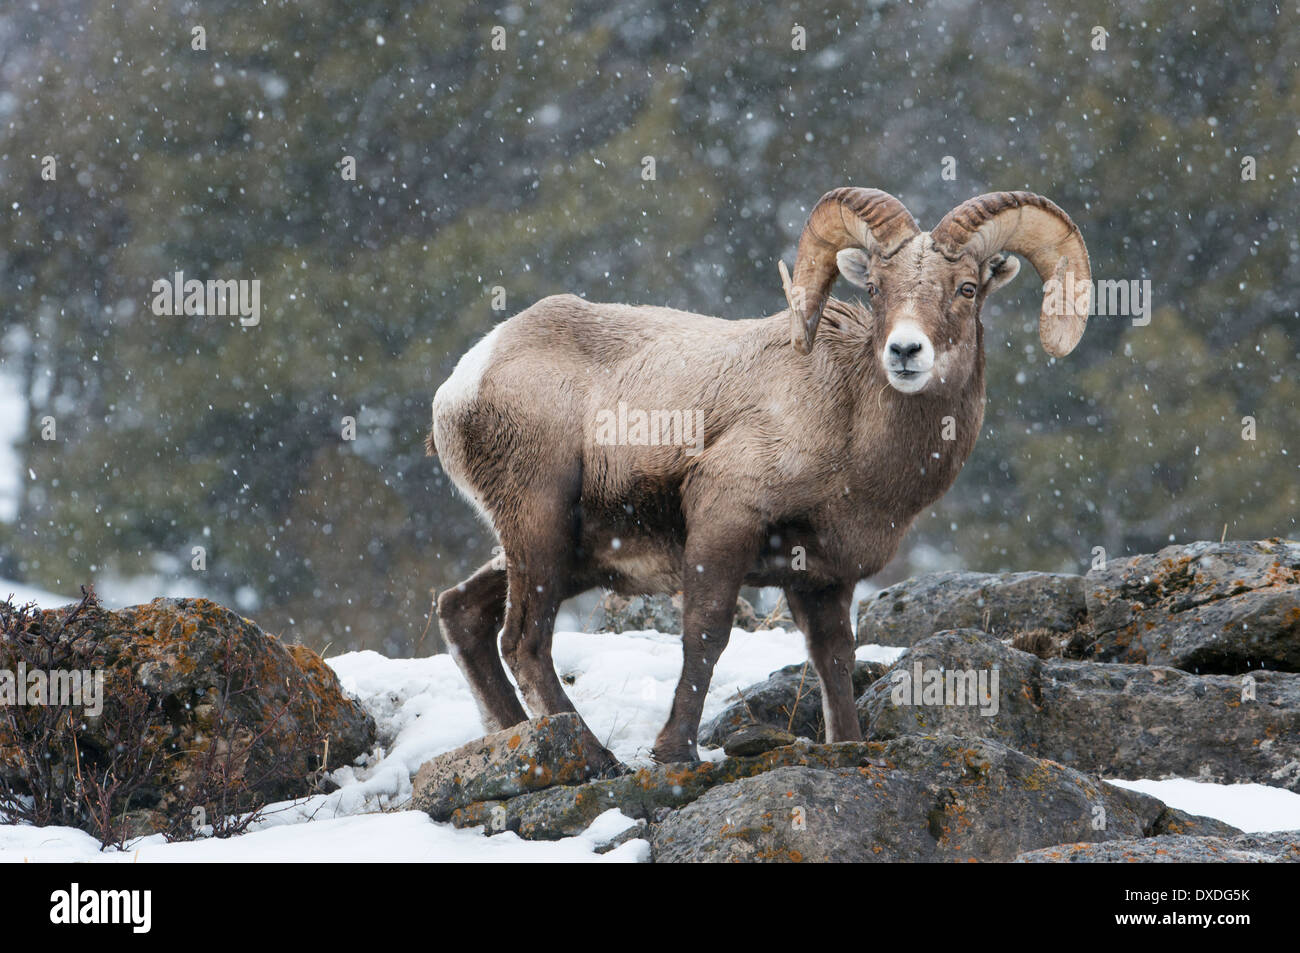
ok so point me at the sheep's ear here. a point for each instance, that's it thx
(855, 265)
(997, 271)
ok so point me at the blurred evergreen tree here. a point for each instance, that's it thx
(523, 168)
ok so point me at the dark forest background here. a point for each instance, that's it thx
(522, 168)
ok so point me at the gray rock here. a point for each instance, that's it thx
(653, 794)
(647, 793)
(756, 739)
(793, 689)
(888, 710)
(1002, 603)
(616, 613)
(1209, 607)
(1125, 721)
(927, 798)
(1173, 821)
(751, 620)
(1275, 848)
(554, 750)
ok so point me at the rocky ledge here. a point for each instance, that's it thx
(985, 741)
(934, 797)
(1218, 608)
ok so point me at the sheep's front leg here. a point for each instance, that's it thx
(823, 617)
(713, 569)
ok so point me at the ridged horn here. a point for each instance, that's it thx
(1036, 228)
(842, 218)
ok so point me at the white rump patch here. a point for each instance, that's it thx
(456, 394)
(462, 387)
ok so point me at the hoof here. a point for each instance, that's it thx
(607, 766)
(616, 770)
(686, 754)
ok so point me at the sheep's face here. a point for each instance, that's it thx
(926, 309)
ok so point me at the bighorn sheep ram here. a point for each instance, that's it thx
(813, 462)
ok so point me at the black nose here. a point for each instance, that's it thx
(905, 351)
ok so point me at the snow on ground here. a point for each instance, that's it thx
(1254, 808)
(622, 684)
(113, 591)
(13, 421)
(400, 837)
(23, 594)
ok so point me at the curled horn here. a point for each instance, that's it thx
(1034, 227)
(842, 218)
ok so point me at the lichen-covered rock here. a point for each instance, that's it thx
(1275, 848)
(221, 692)
(1002, 603)
(537, 754)
(1211, 607)
(1124, 721)
(790, 699)
(1173, 821)
(654, 793)
(567, 811)
(922, 798)
(662, 613)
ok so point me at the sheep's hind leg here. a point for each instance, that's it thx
(538, 583)
(823, 617)
(471, 614)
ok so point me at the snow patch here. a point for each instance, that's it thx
(1255, 808)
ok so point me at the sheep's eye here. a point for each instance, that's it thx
(872, 290)
(967, 289)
